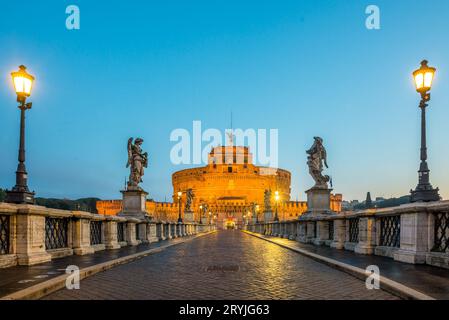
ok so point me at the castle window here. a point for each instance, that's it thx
(230, 169)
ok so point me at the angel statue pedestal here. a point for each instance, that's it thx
(134, 203)
(134, 197)
(188, 216)
(318, 201)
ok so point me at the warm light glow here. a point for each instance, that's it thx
(419, 81)
(201, 207)
(424, 77)
(428, 78)
(179, 194)
(257, 207)
(23, 82)
(276, 195)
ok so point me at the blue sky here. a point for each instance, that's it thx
(145, 68)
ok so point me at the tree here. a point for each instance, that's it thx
(2, 195)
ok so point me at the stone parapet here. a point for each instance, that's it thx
(36, 234)
(412, 233)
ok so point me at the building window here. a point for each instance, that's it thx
(230, 169)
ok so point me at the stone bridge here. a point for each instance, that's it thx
(314, 257)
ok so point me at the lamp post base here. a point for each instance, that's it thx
(424, 194)
(24, 197)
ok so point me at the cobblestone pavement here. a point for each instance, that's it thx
(224, 265)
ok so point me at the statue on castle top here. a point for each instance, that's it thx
(137, 161)
(315, 159)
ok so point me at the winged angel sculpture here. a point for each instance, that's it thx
(316, 157)
(137, 161)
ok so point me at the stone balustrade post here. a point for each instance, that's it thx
(152, 233)
(275, 229)
(183, 230)
(160, 231)
(169, 234)
(292, 234)
(81, 233)
(142, 236)
(415, 234)
(131, 232)
(173, 230)
(322, 232)
(110, 233)
(30, 236)
(270, 230)
(339, 234)
(311, 231)
(367, 235)
(301, 231)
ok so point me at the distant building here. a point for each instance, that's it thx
(368, 201)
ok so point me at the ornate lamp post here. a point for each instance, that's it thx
(276, 199)
(23, 83)
(256, 209)
(423, 80)
(179, 206)
(210, 217)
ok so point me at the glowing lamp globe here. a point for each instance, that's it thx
(23, 83)
(424, 77)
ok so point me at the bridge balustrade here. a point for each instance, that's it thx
(34, 234)
(415, 233)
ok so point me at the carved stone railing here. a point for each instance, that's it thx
(414, 233)
(4, 234)
(33, 234)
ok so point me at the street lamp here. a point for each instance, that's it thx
(257, 213)
(23, 83)
(423, 81)
(210, 217)
(276, 198)
(179, 206)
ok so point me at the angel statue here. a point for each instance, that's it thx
(189, 198)
(137, 161)
(316, 157)
(267, 200)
